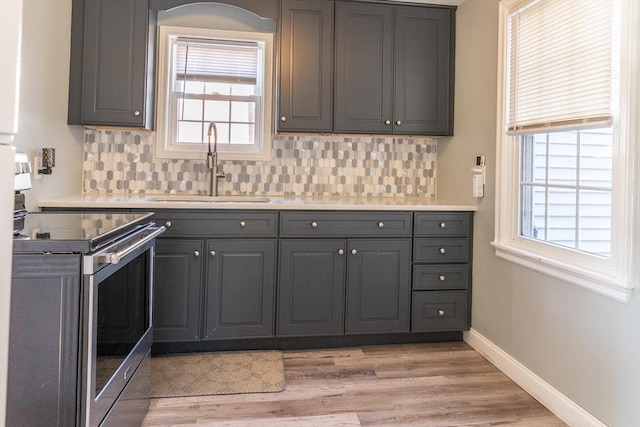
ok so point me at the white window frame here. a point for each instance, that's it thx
(166, 147)
(616, 276)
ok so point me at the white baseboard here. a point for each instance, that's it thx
(563, 407)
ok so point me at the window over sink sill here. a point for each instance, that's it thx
(566, 197)
(219, 76)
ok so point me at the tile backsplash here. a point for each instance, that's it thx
(123, 163)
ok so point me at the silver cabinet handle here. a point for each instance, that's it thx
(443, 250)
(340, 251)
(314, 224)
(398, 122)
(387, 122)
(442, 278)
(196, 253)
(380, 224)
(443, 225)
(354, 252)
(243, 224)
(213, 253)
(441, 313)
(283, 119)
(136, 113)
(168, 224)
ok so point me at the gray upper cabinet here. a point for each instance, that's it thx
(112, 63)
(394, 69)
(306, 66)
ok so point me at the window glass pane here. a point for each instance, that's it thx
(192, 86)
(223, 133)
(190, 132)
(243, 112)
(596, 161)
(561, 217)
(216, 111)
(563, 150)
(243, 90)
(189, 109)
(595, 222)
(540, 157)
(533, 212)
(242, 133)
(216, 88)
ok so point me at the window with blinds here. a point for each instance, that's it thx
(215, 76)
(567, 151)
(563, 69)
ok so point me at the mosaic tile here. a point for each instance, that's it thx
(122, 162)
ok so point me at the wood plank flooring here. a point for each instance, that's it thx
(436, 384)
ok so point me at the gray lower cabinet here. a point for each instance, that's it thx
(442, 255)
(331, 286)
(44, 341)
(311, 287)
(178, 290)
(240, 287)
(378, 285)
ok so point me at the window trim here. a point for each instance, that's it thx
(165, 146)
(616, 277)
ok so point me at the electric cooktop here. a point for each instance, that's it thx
(75, 232)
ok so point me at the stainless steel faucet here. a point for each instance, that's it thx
(212, 161)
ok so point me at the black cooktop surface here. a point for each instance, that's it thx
(75, 232)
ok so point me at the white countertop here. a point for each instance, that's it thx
(274, 203)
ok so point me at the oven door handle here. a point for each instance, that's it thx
(115, 258)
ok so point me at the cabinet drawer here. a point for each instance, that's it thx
(345, 224)
(440, 277)
(203, 224)
(439, 311)
(444, 224)
(441, 250)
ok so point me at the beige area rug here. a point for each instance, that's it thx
(200, 374)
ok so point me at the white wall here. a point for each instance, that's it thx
(583, 344)
(43, 98)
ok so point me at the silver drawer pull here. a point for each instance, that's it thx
(136, 113)
(340, 251)
(243, 224)
(387, 122)
(442, 278)
(196, 253)
(213, 253)
(443, 225)
(168, 224)
(443, 251)
(354, 252)
(441, 313)
(380, 224)
(398, 122)
(314, 224)
(283, 119)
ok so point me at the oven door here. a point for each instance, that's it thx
(118, 333)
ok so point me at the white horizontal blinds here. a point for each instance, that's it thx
(216, 60)
(561, 65)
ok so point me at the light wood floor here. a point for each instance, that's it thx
(441, 384)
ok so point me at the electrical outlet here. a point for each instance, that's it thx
(478, 186)
(37, 165)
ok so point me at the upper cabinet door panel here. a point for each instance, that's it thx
(423, 70)
(115, 59)
(306, 66)
(364, 67)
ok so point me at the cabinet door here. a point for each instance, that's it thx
(364, 67)
(311, 287)
(115, 63)
(240, 288)
(178, 289)
(306, 66)
(423, 89)
(44, 341)
(378, 285)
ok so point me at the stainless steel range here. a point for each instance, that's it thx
(102, 319)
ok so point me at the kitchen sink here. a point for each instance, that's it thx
(209, 199)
